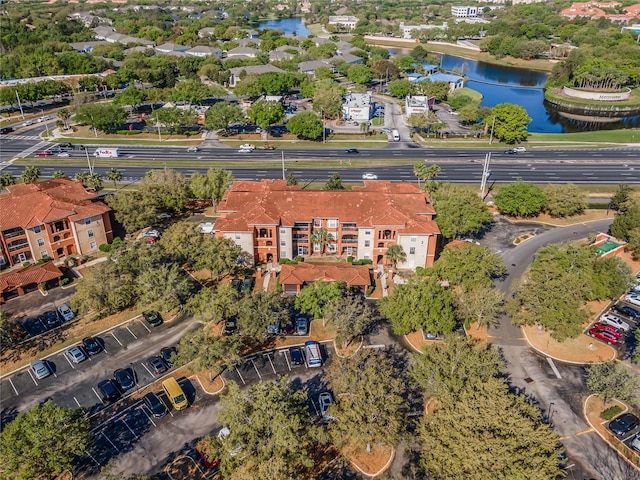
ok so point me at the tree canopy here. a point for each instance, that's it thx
(511, 122)
(612, 380)
(222, 114)
(564, 200)
(306, 124)
(461, 212)
(468, 265)
(520, 199)
(317, 297)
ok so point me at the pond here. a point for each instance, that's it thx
(290, 26)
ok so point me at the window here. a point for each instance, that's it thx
(283, 231)
(237, 236)
(414, 238)
(41, 242)
(37, 229)
(332, 223)
(367, 232)
(283, 243)
(44, 254)
(90, 233)
(366, 256)
(317, 222)
(316, 247)
(87, 221)
(367, 243)
(92, 245)
(333, 235)
(333, 248)
(412, 250)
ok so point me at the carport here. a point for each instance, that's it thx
(25, 280)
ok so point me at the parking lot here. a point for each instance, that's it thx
(627, 346)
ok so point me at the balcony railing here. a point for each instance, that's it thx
(350, 240)
(301, 238)
(13, 233)
(350, 227)
(301, 227)
(18, 246)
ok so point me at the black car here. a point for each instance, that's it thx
(157, 365)
(624, 423)
(628, 311)
(166, 353)
(296, 356)
(247, 285)
(229, 327)
(51, 319)
(124, 377)
(511, 152)
(91, 345)
(108, 390)
(153, 403)
(66, 146)
(5, 130)
(351, 150)
(153, 318)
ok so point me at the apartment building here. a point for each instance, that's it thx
(270, 220)
(50, 219)
(464, 11)
(418, 104)
(346, 21)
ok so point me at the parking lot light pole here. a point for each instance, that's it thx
(135, 379)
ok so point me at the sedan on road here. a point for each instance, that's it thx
(155, 405)
(124, 378)
(40, 369)
(43, 153)
(351, 150)
(624, 423)
(75, 354)
(108, 390)
(369, 176)
(193, 149)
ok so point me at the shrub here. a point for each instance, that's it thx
(611, 412)
(370, 289)
(364, 261)
(26, 264)
(105, 247)
(299, 258)
(64, 281)
(421, 271)
(350, 259)
(116, 242)
(128, 132)
(286, 261)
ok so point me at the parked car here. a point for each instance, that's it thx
(296, 356)
(155, 405)
(40, 369)
(604, 335)
(124, 377)
(369, 176)
(351, 150)
(166, 354)
(75, 354)
(164, 216)
(43, 153)
(626, 310)
(152, 317)
(65, 312)
(157, 365)
(273, 329)
(63, 155)
(91, 345)
(236, 283)
(614, 320)
(51, 319)
(633, 299)
(636, 443)
(229, 327)
(624, 423)
(247, 285)
(287, 329)
(108, 390)
(302, 326)
(325, 400)
(193, 149)
(618, 332)
(211, 464)
(151, 233)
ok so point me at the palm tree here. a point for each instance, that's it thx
(7, 179)
(58, 174)
(321, 237)
(82, 177)
(427, 174)
(364, 128)
(64, 115)
(30, 174)
(395, 254)
(94, 181)
(114, 175)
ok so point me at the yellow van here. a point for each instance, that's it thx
(175, 394)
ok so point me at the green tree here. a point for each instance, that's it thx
(222, 114)
(191, 91)
(7, 179)
(612, 380)
(360, 74)
(219, 255)
(114, 175)
(520, 199)
(428, 175)
(511, 122)
(327, 99)
(183, 242)
(255, 313)
(316, 297)
(43, 441)
(132, 96)
(292, 181)
(395, 254)
(104, 117)
(482, 304)
(167, 187)
(620, 200)
(626, 222)
(30, 174)
(206, 351)
(419, 304)
(175, 118)
(400, 88)
(265, 113)
(215, 305)
(564, 200)
(132, 209)
(211, 185)
(94, 181)
(82, 177)
(334, 183)
(439, 90)
(322, 238)
(369, 407)
(64, 114)
(468, 265)
(306, 125)
(461, 212)
(166, 286)
(404, 62)
(270, 432)
(634, 243)
(350, 316)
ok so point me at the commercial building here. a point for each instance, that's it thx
(347, 21)
(50, 220)
(463, 12)
(357, 107)
(270, 220)
(417, 104)
(408, 31)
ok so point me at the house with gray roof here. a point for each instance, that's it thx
(248, 42)
(288, 48)
(171, 48)
(234, 78)
(131, 50)
(86, 47)
(276, 56)
(205, 32)
(347, 58)
(204, 51)
(311, 66)
(242, 52)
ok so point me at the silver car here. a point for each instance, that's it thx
(40, 369)
(75, 354)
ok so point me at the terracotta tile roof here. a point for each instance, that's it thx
(353, 275)
(29, 275)
(29, 204)
(378, 203)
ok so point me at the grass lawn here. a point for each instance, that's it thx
(468, 92)
(84, 134)
(315, 28)
(588, 216)
(377, 121)
(604, 136)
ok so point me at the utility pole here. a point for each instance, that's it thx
(158, 125)
(324, 130)
(493, 124)
(283, 177)
(485, 174)
(89, 162)
(20, 104)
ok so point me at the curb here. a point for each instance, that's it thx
(412, 345)
(515, 222)
(349, 356)
(384, 468)
(561, 359)
(224, 385)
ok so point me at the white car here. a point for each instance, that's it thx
(152, 233)
(519, 149)
(245, 150)
(193, 149)
(27, 123)
(636, 443)
(40, 369)
(63, 154)
(248, 146)
(75, 354)
(43, 119)
(65, 312)
(617, 322)
(369, 176)
(325, 400)
(633, 299)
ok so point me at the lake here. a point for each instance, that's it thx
(290, 26)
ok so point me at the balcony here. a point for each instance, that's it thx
(350, 239)
(301, 227)
(301, 238)
(349, 227)
(18, 245)
(13, 232)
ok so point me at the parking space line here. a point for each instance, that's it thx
(78, 403)
(149, 371)
(145, 326)
(43, 325)
(91, 457)
(31, 375)
(238, 371)
(144, 409)
(68, 361)
(109, 440)
(129, 330)
(254, 366)
(116, 338)
(99, 397)
(127, 425)
(14, 387)
(286, 357)
(272, 367)
(315, 408)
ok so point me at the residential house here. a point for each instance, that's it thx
(288, 48)
(206, 32)
(357, 106)
(234, 78)
(463, 12)
(275, 56)
(270, 220)
(28, 279)
(343, 21)
(131, 50)
(109, 34)
(345, 47)
(242, 52)
(170, 47)
(86, 47)
(50, 219)
(311, 66)
(347, 58)
(248, 42)
(204, 51)
(294, 278)
(417, 104)
(454, 81)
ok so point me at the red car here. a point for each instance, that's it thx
(604, 335)
(618, 332)
(44, 153)
(210, 464)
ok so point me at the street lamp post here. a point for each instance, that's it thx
(324, 130)
(45, 122)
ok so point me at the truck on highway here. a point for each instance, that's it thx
(395, 135)
(106, 153)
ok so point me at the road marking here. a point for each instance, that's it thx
(112, 444)
(286, 357)
(14, 387)
(144, 409)
(99, 397)
(315, 408)
(145, 367)
(129, 330)
(272, 367)
(553, 367)
(238, 371)
(116, 339)
(43, 325)
(254, 366)
(143, 324)
(77, 402)
(127, 425)
(34, 380)
(91, 456)
(68, 361)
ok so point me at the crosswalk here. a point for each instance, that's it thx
(20, 137)
(35, 148)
